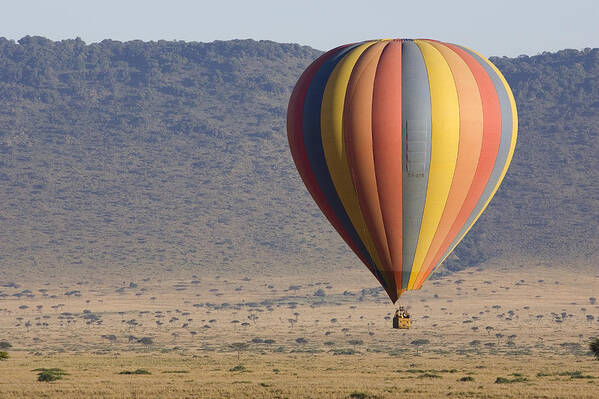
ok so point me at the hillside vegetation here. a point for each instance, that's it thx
(173, 155)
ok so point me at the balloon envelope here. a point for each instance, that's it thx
(402, 144)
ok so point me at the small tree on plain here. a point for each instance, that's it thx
(594, 346)
(420, 342)
(146, 341)
(498, 336)
(238, 347)
(110, 337)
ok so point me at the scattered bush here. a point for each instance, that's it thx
(3, 355)
(502, 380)
(146, 341)
(594, 347)
(49, 375)
(46, 376)
(5, 345)
(468, 378)
(347, 351)
(429, 375)
(239, 367)
(138, 371)
(575, 374)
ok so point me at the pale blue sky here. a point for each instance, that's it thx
(501, 27)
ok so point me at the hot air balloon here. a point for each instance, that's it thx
(402, 144)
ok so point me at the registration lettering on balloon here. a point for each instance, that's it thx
(416, 148)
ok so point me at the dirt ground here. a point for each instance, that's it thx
(519, 330)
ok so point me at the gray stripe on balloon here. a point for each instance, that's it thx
(416, 149)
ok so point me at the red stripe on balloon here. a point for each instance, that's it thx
(357, 133)
(387, 149)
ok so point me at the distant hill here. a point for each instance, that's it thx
(173, 155)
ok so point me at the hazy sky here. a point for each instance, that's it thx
(493, 27)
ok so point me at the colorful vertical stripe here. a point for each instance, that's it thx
(402, 144)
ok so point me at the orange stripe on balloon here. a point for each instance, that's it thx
(386, 144)
(488, 153)
(469, 147)
(357, 132)
(298, 151)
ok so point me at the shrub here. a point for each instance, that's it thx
(238, 347)
(3, 355)
(49, 375)
(239, 367)
(502, 380)
(146, 341)
(358, 395)
(5, 345)
(138, 371)
(464, 379)
(594, 347)
(574, 374)
(420, 342)
(429, 375)
(347, 351)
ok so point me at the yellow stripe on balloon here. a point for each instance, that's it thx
(331, 122)
(471, 135)
(445, 124)
(510, 95)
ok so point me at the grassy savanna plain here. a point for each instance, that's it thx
(515, 329)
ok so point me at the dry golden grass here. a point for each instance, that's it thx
(482, 324)
(298, 376)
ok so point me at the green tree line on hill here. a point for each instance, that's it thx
(174, 154)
